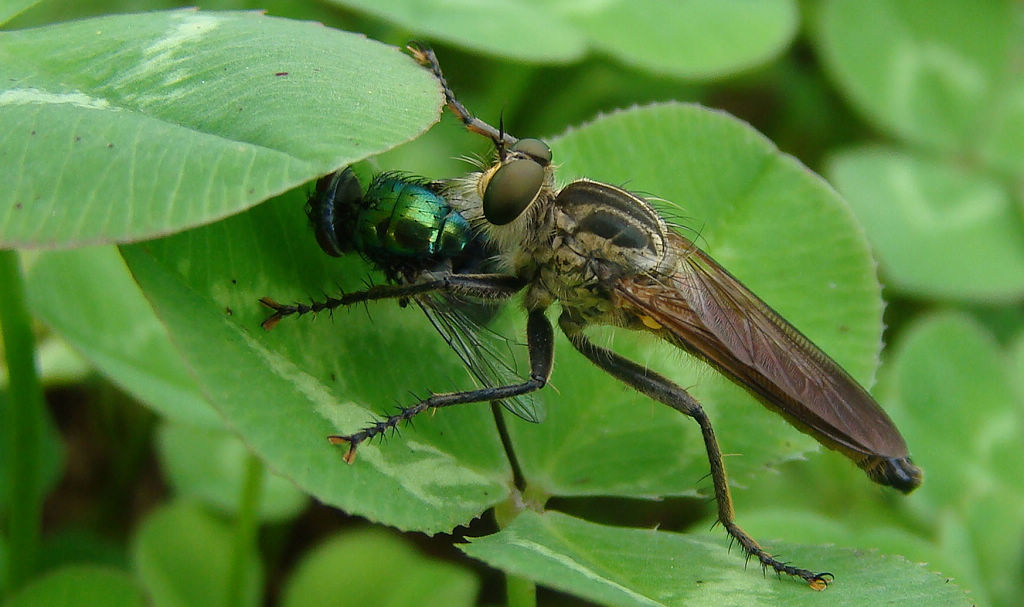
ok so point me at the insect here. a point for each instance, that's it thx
(405, 227)
(606, 257)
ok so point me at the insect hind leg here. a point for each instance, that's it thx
(665, 391)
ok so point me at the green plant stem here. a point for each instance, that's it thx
(24, 424)
(520, 592)
(246, 526)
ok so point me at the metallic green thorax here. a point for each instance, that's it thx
(407, 219)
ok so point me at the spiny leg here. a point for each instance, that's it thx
(481, 286)
(665, 391)
(540, 344)
(425, 56)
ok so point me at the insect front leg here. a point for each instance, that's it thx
(425, 56)
(665, 391)
(540, 344)
(481, 286)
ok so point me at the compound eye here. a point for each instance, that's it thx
(534, 148)
(511, 190)
(335, 194)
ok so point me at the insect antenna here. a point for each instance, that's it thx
(500, 143)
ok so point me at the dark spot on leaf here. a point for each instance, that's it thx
(228, 311)
(281, 74)
(110, 145)
(17, 206)
(234, 282)
(77, 138)
(32, 132)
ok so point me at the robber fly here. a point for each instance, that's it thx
(607, 258)
(404, 227)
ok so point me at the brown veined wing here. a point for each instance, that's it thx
(703, 309)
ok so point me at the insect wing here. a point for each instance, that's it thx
(488, 355)
(711, 314)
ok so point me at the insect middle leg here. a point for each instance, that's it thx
(665, 391)
(540, 345)
(481, 286)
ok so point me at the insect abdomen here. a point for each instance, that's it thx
(407, 219)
